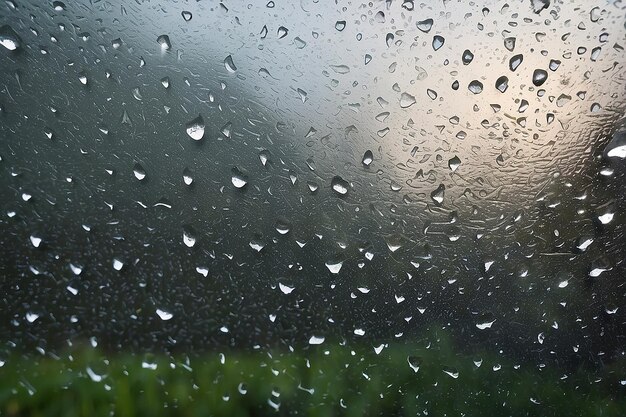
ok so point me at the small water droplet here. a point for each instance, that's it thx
(467, 57)
(229, 64)
(368, 157)
(186, 15)
(438, 42)
(238, 178)
(425, 25)
(164, 315)
(139, 172)
(406, 100)
(475, 87)
(339, 185)
(539, 77)
(195, 128)
(165, 43)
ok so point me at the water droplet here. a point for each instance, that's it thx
(282, 32)
(540, 5)
(118, 264)
(334, 266)
(35, 240)
(229, 64)
(452, 372)
(389, 39)
(285, 289)
(509, 44)
(9, 38)
(282, 226)
(467, 57)
(454, 163)
(475, 87)
(58, 6)
(438, 195)
(82, 77)
(340, 25)
(139, 172)
(431, 93)
(406, 100)
(438, 42)
(539, 77)
(188, 237)
(195, 128)
(425, 25)
(187, 178)
(239, 179)
(368, 157)
(515, 61)
(164, 315)
(502, 83)
(186, 15)
(315, 340)
(339, 185)
(164, 41)
(414, 362)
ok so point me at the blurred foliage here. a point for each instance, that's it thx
(331, 379)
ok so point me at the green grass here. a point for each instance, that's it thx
(317, 381)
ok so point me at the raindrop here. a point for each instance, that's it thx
(164, 41)
(509, 44)
(238, 178)
(164, 315)
(539, 77)
(438, 42)
(515, 61)
(315, 340)
(340, 25)
(414, 362)
(139, 172)
(389, 39)
(454, 163)
(9, 38)
(195, 128)
(425, 25)
(368, 157)
(282, 32)
(452, 372)
(502, 83)
(339, 185)
(475, 87)
(186, 15)
(467, 57)
(406, 100)
(229, 64)
(334, 266)
(438, 195)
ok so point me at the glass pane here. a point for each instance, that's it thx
(312, 208)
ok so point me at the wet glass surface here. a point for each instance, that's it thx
(318, 179)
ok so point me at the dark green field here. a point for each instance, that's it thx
(325, 380)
